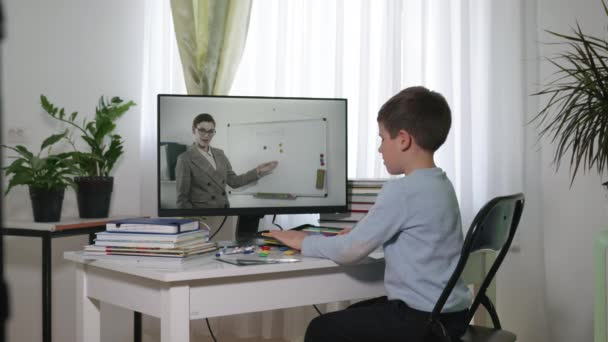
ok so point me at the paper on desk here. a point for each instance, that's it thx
(246, 261)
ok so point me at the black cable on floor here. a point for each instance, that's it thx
(316, 308)
(210, 331)
(276, 224)
(219, 228)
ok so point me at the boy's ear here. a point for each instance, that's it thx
(405, 140)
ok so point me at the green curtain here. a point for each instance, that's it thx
(211, 36)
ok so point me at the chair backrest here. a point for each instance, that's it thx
(493, 228)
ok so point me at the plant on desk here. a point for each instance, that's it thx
(46, 176)
(94, 184)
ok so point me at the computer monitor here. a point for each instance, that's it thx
(306, 137)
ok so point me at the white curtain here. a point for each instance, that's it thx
(471, 51)
(162, 74)
(366, 51)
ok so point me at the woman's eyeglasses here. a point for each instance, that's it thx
(203, 131)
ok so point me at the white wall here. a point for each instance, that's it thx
(72, 51)
(571, 216)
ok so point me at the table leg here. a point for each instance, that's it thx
(88, 316)
(46, 289)
(137, 326)
(175, 315)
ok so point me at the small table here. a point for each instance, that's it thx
(48, 231)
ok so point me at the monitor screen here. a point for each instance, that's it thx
(235, 155)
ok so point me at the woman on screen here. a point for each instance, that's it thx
(203, 171)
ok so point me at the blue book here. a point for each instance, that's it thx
(164, 225)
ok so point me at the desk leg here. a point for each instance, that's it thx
(175, 314)
(46, 289)
(88, 317)
(136, 326)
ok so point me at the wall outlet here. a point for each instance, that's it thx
(17, 134)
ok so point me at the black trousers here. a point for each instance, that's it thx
(380, 319)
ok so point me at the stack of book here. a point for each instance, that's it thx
(151, 240)
(362, 195)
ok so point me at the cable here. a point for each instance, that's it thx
(219, 228)
(316, 308)
(210, 331)
(276, 224)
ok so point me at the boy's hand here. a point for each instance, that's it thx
(291, 238)
(344, 231)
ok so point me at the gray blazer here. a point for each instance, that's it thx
(199, 185)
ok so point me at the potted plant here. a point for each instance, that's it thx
(46, 177)
(575, 117)
(94, 184)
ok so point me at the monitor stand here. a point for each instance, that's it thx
(246, 229)
(247, 226)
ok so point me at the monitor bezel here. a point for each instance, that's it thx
(248, 211)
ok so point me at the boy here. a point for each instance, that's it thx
(417, 222)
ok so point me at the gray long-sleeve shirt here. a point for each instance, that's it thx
(417, 221)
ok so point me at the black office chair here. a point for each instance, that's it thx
(492, 229)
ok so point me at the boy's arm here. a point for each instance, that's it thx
(386, 219)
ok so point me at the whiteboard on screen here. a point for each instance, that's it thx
(300, 147)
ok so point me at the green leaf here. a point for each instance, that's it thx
(47, 106)
(53, 139)
(24, 151)
(37, 163)
(18, 179)
(17, 167)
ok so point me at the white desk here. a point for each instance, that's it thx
(210, 288)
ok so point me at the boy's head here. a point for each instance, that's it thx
(423, 114)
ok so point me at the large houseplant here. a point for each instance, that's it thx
(46, 177)
(94, 184)
(575, 116)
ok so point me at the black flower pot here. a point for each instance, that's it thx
(46, 204)
(93, 195)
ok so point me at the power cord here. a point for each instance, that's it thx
(219, 228)
(316, 308)
(274, 217)
(210, 331)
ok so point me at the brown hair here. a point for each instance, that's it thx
(204, 117)
(424, 114)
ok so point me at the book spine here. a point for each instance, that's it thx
(142, 228)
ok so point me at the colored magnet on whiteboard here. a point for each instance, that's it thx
(320, 179)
